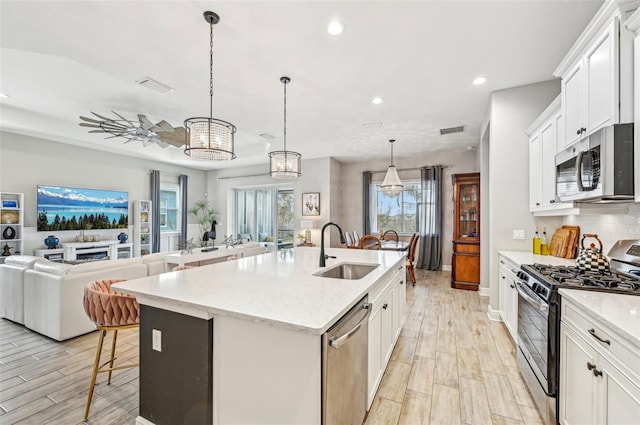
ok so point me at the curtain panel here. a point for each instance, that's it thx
(183, 183)
(430, 218)
(366, 203)
(154, 192)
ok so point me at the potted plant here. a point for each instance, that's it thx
(204, 215)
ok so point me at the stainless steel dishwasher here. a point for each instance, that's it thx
(344, 367)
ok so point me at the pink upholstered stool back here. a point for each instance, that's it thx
(109, 308)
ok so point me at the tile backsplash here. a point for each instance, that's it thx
(611, 222)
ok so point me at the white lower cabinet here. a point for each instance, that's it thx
(509, 296)
(596, 387)
(388, 313)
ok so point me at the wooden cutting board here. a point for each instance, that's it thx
(560, 243)
(572, 247)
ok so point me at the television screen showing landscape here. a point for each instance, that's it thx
(70, 208)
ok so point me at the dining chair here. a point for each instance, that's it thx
(390, 235)
(370, 242)
(411, 258)
(356, 238)
(349, 240)
(110, 311)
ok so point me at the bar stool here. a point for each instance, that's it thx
(110, 311)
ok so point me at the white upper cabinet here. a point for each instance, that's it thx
(596, 74)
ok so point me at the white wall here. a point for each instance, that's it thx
(462, 161)
(26, 162)
(316, 177)
(511, 112)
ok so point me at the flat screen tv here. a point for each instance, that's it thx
(71, 208)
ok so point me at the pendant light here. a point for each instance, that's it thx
(285, 164)
(392, 186)
(209, 139)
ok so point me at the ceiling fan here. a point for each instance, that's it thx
(163, 134)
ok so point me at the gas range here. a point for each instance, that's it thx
(544, 279)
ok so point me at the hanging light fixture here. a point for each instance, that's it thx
(392, 186)
(209, 139)
(285, 164)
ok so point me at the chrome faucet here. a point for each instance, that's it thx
(324, 257)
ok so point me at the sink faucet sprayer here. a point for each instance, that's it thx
(323, 257)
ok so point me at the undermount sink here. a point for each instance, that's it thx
(351, 271)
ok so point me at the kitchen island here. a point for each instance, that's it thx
(240, 341)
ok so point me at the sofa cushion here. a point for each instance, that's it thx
(157, 256)
(63, 269)
(24, 261)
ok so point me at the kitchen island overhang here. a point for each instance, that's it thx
(267, 316)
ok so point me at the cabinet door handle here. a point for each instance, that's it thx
(501, 262)
(504, 277)
(590, 366)
(552, 201)
(593, 334)
(512, 286)
(385, 305)
(402, 282)
(583, 130)
(578, 132)
(597, 372)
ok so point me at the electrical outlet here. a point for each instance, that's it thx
(518, 234)
(156, 340)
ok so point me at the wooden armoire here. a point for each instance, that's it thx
(465, 264)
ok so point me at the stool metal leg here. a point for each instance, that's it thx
(95, 373)
(113, 352)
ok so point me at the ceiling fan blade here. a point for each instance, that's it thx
(101, 117)
(162, 126)
(146, 142)
(174, 138)
(145, 124)
(162, 144)
(124, 119)
(90, 120)
(97, 131)
(84, 124)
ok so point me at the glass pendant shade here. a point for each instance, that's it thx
(209, 139)
(285, 164)
(392, 186)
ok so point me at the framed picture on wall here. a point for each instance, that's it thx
(311, 203)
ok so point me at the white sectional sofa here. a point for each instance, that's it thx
(12, 285)
(47, 296)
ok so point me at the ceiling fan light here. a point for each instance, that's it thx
(392, 186)
(209, 139)
(285, 165)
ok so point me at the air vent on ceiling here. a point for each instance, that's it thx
(267, 136)
(155, 85)
(451, 130)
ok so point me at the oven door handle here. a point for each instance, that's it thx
(523, 291)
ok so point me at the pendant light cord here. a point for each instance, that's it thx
(285, 116)
(391, 141)
(211, 70)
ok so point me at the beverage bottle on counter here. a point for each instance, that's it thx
(544, 243)
(536, 243)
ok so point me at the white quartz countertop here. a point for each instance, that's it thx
(524, 257)
(617, 311)
(276, 288)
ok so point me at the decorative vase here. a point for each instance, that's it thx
(122, 237)
(6, 250)
(9, 233)
(9, 217)
(51, 241)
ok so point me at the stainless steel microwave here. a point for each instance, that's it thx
(598, 168)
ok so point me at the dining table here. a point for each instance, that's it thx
(390, 245)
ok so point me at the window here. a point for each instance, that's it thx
(265, 215)
(169, 215)
(399, 213)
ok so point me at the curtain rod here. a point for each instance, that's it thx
(408, 169)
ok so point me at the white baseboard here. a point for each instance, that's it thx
(446, 267)
(493, 314)
(484, 292)
(142, 421)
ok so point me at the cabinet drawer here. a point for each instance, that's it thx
(596, 334)
(385, 283)
(464, 248)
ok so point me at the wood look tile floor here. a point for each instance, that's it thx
(451, 366)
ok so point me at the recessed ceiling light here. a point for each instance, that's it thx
(4, 96)
(479, 80)
(335, 27)
(376, 100)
